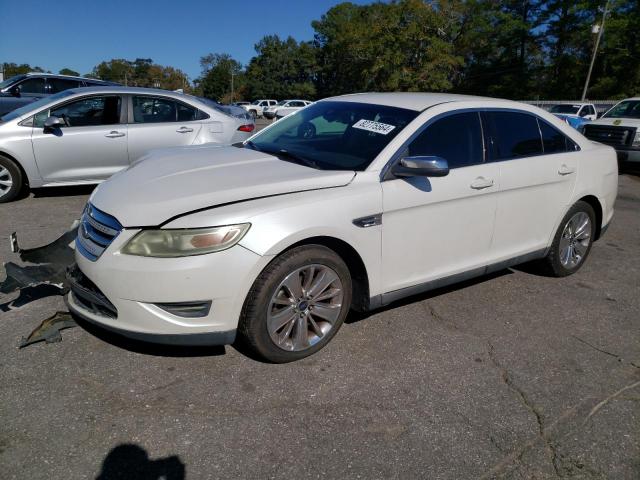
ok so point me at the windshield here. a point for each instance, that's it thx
(282, 102)
(256, 102)
(625, 109)
(29, 107)
(11, 80)
(334, 135)
(570, 109)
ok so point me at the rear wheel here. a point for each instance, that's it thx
(296, 305)
(10, 179)
(572, 242)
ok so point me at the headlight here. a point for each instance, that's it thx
(185, 242)
(636, 140)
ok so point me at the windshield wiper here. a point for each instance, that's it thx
(296, 158)
(251, 145)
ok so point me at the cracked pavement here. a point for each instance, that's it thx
(511, 376)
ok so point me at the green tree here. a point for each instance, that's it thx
(141, 72)
(68, 71)
(11, 69)
(282, 69)
(401, 45)
(215, 80)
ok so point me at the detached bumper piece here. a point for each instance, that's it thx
(88, 295)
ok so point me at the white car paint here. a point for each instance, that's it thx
(586, 111)
(256, 108)
(284, 108)
(628, 146)
(473, 220)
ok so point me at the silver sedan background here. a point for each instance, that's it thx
(83, 136)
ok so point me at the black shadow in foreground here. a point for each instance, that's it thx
(131, 462)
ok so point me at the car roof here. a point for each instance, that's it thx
(74, 77)
(123, 89)
(417, 100)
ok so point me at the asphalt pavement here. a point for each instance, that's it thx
(514, 376)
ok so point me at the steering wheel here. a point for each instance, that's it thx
(306, 130)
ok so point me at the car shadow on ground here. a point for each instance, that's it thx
(70, 191)
(131, 461)
(355, 317)
(147, 348)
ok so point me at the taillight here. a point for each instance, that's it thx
(250, 127)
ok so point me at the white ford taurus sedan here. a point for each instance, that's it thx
(351, 203)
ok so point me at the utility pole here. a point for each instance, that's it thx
(595, 49)
(232, 93)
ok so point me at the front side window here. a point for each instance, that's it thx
(87, 112)
(625, 109)
(513, 135)
(334, 135)
(31, 86)
(456, 138)
(60, 84)
(153, 110)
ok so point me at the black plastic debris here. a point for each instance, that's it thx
(47, 267)
(49, 330)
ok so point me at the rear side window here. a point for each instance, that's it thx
(60, 84)
(186, 113)
(553, 140)
(457, 138)
(513, 135)
(153, 110)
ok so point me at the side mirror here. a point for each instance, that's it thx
(54, 122)
(421, 166)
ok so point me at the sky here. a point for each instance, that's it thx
(55, 34)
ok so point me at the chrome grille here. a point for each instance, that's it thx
(96, 232)
(610, 135)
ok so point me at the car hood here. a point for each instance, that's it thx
(623, 122)
(172, 182)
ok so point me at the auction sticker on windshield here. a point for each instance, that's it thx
(375, 127)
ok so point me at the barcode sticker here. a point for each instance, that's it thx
(375, 127)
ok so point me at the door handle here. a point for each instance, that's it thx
(184, 130)
(565, 170)
(481, 182)
(114, 134)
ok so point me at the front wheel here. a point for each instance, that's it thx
(296, 305)
(10, 180)
(572, 242)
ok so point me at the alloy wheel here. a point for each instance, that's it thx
(575, 240)
(305, 307)
(6, 181)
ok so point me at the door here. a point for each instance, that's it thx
(160, 122)
(91, 147)
(437, 227)
(538, 167)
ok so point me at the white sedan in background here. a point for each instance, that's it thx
(352, 203)
(284, 108)
(85, 135)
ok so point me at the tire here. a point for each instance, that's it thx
(572, 242)
(11, 180)
(271, 320)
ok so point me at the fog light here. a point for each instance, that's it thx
(187, 309)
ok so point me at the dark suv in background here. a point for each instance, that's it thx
(22, 89)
